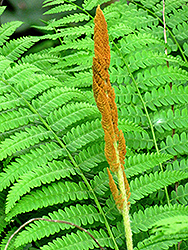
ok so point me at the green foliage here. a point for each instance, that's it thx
(52, 142)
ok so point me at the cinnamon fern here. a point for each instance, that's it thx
(52, 143)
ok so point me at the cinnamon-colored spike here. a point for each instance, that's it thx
(115, 148)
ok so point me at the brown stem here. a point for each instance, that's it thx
(56, 221)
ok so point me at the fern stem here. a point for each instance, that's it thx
(125, 210)
(171, 34)
(147, 114)
(72, 160)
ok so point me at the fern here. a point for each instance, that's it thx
(51, 139)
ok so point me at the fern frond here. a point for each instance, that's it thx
(141, 162)
(55, 98)
(19, 141)
(55, 170)
(100, 183)
(22, 71)
(69, 114)
(62, 192)
(82, 135)
(15, 48)
(181, 195)
(160, 241)
(73, 18)
(127, 126)
(139, 140)
(88, 158)
(144, 220)
(36, 157)
(81, 240)
(164, 96)
(15, 119)
(148, 184)
(175, 145)
(159, 76)
(80, 44)
(59, 8)
(79, 215)
(167, 120)
(7, 29)
(79, 80)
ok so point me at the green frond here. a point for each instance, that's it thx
(10, 101)
(4, 64)
(159, 242)
(3, 223)
(80, 136)
(79, 80)
(72, 32)
(90, 157)
(90, 4)
(15, 119)
(142, 162)
(80, 240)
(180, 164)
(15, 48)
(48, 3)
(2, 9)
(35, 158)
(82, 60)
(6, 238)
(163, 96)
(80, 44)
(55, 98)
(147, 219)
(167, 120)
(37, 85)
(176, 145)
(81, 215)
(59, 8)
(19, 141)
(159, 76)
(43, 61)
(7, 29)
(100, 183)
(54, 170)
(126, 126)
(134, 114)
(180, 195)
(23, 71)
(137, 140)
(52, 194)
(74, 18)
(69, 114)
(148, 184)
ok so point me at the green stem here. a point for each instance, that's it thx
(72, 160)
(125, 211)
